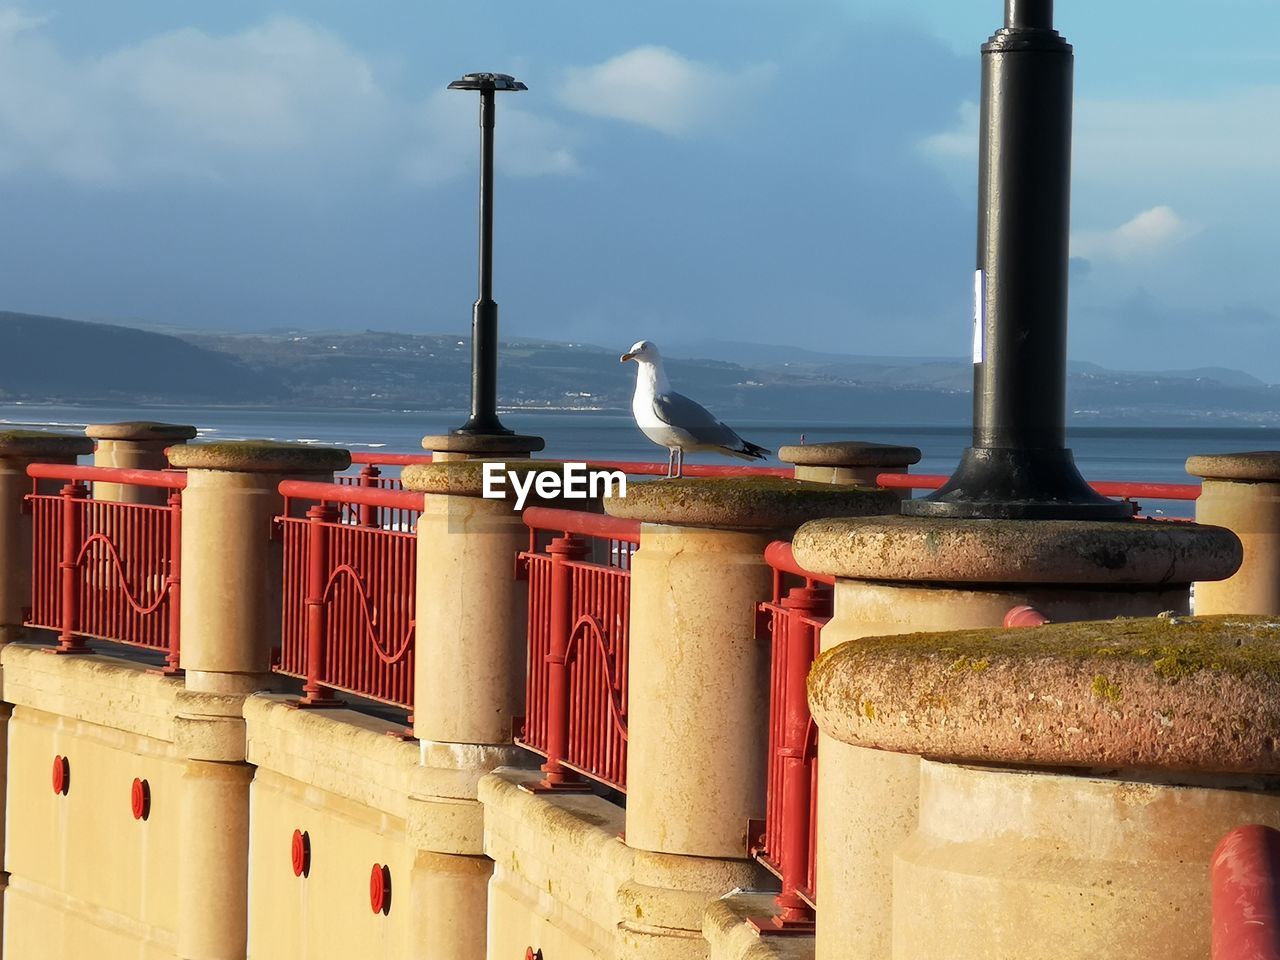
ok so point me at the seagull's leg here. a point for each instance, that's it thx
(679, 462)
(671, 463)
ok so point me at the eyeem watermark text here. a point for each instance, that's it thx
(573, 481)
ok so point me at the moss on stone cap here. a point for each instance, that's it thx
(849, 453)
(37, 443)
(938, 550)
(745, 503)
(496, 443)
(140, 430)
(259, 456)
(1257, 465)
(1167, 693)
(465, 478)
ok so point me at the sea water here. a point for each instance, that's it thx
(1136, 454)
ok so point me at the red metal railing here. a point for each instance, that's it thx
(579, 608)
(347, 621)
(793, 621)
(103, 569)
(1245, 876)
(1132, 492)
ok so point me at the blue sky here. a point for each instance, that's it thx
(764, 170)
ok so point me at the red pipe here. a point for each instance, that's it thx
(563, 551)
(390, 459)
(779, 556)
(315, 694)
(73, 498)
(1245, 878)
(797, 778)
(165, 479)
(338, 493)
(1108, 488)
(1025, 616)
(173, 660)
(583, 524)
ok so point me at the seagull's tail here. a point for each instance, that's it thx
(748, 451)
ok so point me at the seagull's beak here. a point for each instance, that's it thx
(625, 357)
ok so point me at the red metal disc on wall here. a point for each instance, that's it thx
(532, 954)
(380, 889)
(61, 775)
(140, 799)
(301, 853)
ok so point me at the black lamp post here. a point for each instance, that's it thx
(484, 315)
(1019, 466)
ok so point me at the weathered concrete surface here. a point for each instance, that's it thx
(141, 430)
(36, 445)
(849, 453)
(1258, 465)
(260, 456)
(1241, 492)
(1017, 551)
(744, 503)
(1174, 693)
(453, 446)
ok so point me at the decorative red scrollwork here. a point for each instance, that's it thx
(117, 564)
(140, 799)
(589, 625)
(380, 889)
(300, 853)
(61, 775)
(348, 572)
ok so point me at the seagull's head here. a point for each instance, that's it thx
(642, 351)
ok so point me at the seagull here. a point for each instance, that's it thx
(674, 421)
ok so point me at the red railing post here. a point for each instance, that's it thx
(174, 583)
(73, 495)
(315, 694)
(1245, 878)
(369, 475)
(563, 550)
(795, 915)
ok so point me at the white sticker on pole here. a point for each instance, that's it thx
(979, 301)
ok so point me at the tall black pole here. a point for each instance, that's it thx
(1018, 465)
(484, 314)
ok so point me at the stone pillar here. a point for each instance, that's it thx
(908, 575)
(849, 461)
(1079, 778)
(698, 676)
(230, 620)
(231, 555)
(698, 683)
(19, 449)
(1242, 493)
(134, 445)
(469, 675)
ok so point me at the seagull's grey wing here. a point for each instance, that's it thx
(680, 413)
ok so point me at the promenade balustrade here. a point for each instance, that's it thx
(104, 569)
(347, 618)
(579, 612)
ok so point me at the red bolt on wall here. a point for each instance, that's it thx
(301, 854)
(380, 889)
(61, 775)
(140, 799)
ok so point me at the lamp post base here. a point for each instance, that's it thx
(1017, 484)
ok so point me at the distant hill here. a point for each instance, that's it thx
(51, 358)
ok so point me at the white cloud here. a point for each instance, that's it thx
(657, 88)
(1149, 233)
(283, 101)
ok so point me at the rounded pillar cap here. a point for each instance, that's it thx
(259, 456)
(140, 430)
(465, 478)
(1166, 693)
(849, 453)
(1257, 465)
(745, 503)
(1083, 552)
(37, 443)
(483, 443)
